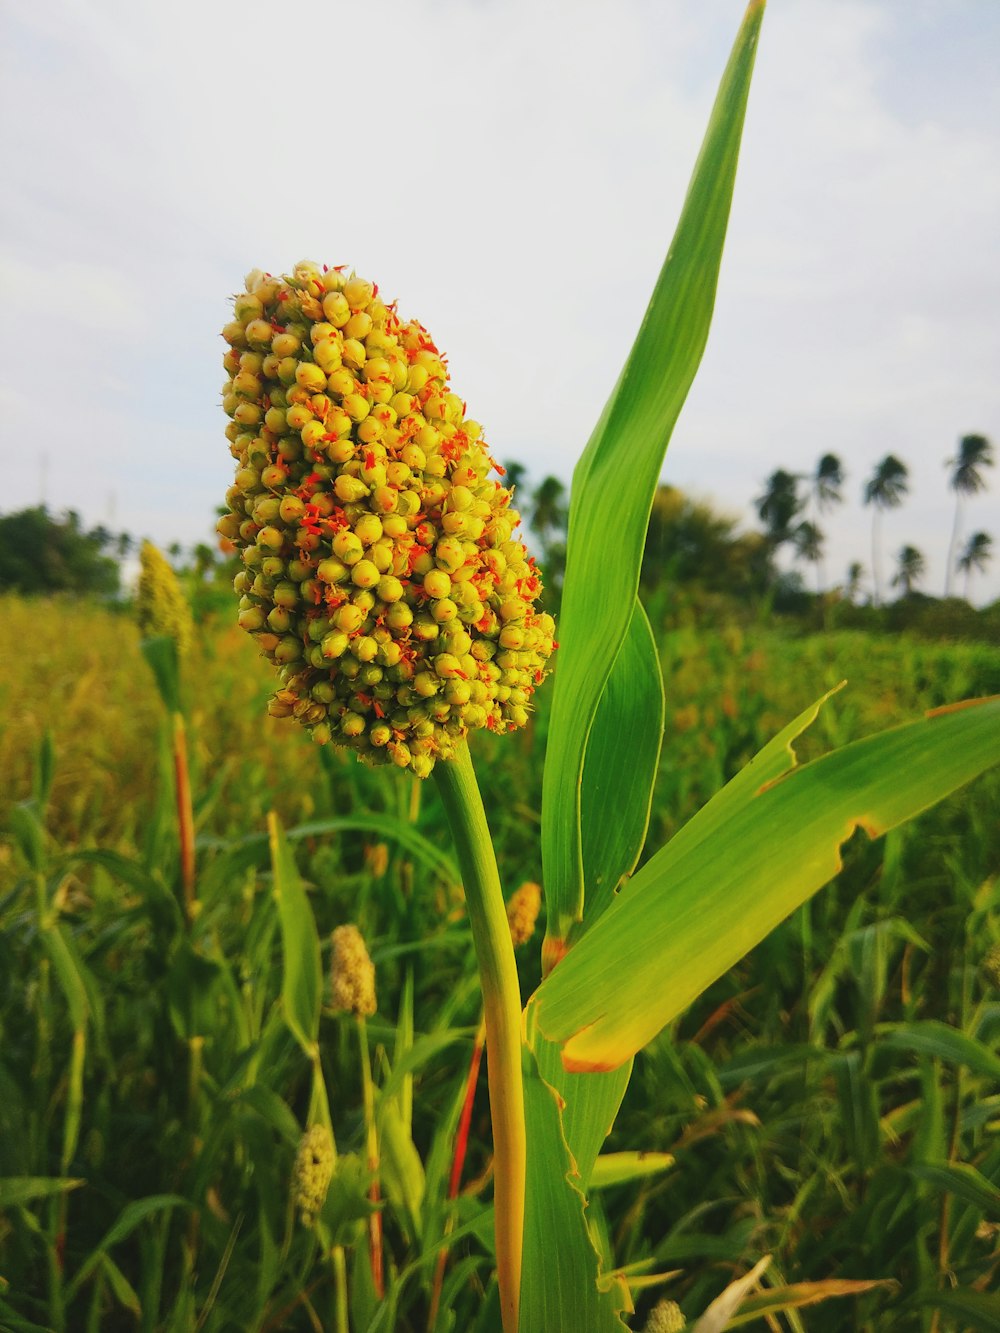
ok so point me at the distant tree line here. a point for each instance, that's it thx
(41, 553)
(688, 543)
(789, 500)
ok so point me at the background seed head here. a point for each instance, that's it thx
(314, 1164)
(666, 1317)
(522, 911)
(352, 973)
(357, 468)
(161, 607)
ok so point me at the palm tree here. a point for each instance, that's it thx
(548, 513)
(885, 490)
(977, 555)
(855, 574)
(516, 474)
(826, 482)
(974, 453)
(808, 542)
(548, 518)
(779, 505)
(910, 569)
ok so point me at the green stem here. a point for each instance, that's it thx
(375, 1217)
(339, 1261)
(456, 780)
(185, 815)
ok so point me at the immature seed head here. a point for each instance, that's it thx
(522, 912)
(989, 967)
(666, 1317)
(313, 1172)
(161, 607)
(383, 577)
(352, 973)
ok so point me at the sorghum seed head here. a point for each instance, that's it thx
(522, 912)
(352, 973)
(990, 966)
(666, 1317)
(313, 1172)
(161, 607)
(355, 463)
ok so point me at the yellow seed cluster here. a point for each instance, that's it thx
(352, 973)
(522, 912)
(666, 1317)
(381, 571)
(314, 1164)
(161, 607)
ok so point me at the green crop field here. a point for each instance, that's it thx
(832, 1101)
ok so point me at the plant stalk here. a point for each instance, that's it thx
(456, 780)
(374, 1218)
(185, 815)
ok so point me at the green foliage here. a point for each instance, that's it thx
(41, 554)
(749, 1091)
(689, 542)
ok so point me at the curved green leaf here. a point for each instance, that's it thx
(976, 1309)
(927, 1036)
(690, 914)
(16, 1190)
(616, 477)
(301, 974)
(622, 757)
(131, 1216)
(964, 1181)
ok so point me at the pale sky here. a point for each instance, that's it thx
(511, 171)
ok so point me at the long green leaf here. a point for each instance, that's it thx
(301, 973)
(68, 968)
(161, 654)
(976, 1309)
(622, 757)
(964, 1181)
(567, 1294)
(402, 1170)
(799, 1294)
(929, 1037)
(616, 477)
(16, 1190)
(131, 1216)
(689, 915)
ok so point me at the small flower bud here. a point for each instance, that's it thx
(522, 912)
(352, 973)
